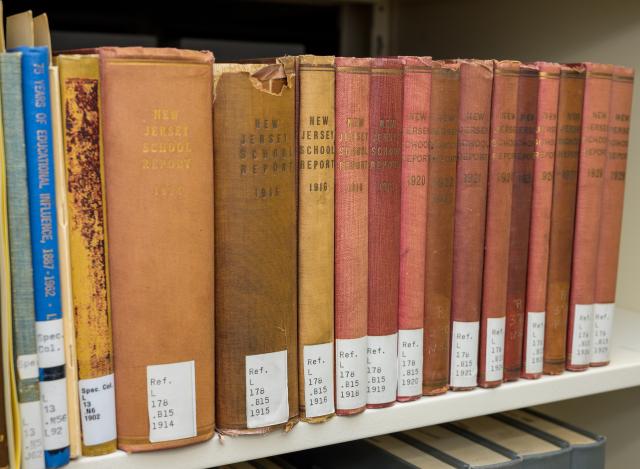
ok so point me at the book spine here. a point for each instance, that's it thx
(66, 295)
(413, 217)
(155, 106)
(44, 254)
(256, 268)
(499, 192)
(351, 232)
(538, 255)
(476, 83)
(316, 140)
(82, 170)
(385, 172)
(562, 217)
(441, 192)
(591, 167)
(526, 119)
(23, 314)
(611, 217)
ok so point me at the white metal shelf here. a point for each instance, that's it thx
(623, 372)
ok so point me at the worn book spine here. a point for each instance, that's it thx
(316, 140)
(474, 119)
(441, 193)
(84, 189)
(255, 197)
(591, 167)
(44, 253)
(526, 121)
(351, 232)
(413, 217)
(611, 214)
(563, 205)
(156, 107)
(504, 109)
(66, 295)
(542, 192)
(24, 333)
(385, 169)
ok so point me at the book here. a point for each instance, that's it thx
(83, 176)
(562, 217)
(541, 197)
(158, 172)
(256, 231)
(525, 134)
(29, 445)
(441, 192)
(504, 109)
(351, 232)
(591, 167)
(316, 145)
(42, 37)
(413, 224)
(462, 451)
(611, 213)
(385, 172)
(44, 253)
(474, 119)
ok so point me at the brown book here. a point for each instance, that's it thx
(562, 217)
(476, 84)
(441, 193)
(592, 160)
(385, 166)
(255, 197)
(413, 226)
(504, 109)
(316, 135)
(611, 217)
(526, 122)
(542, 192)
(156, 105)
(351, 232)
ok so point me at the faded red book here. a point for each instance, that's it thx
(593, 156)
(441, 193)
(611, 217)
(385, 166)
(526, 120)
(413, 217)
(499, 191)
(538, 263)
(351, 232)
(476, 83)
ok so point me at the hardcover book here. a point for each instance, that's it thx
(256, 231)
(157, 108)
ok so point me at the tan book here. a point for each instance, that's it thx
(157, 108)
(255, 197)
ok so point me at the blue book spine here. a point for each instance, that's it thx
(44, 250)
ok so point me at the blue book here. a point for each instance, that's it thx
(44, 253)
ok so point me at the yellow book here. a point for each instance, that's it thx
(79, 89)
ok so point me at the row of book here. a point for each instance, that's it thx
(519, 438)
(465, 234)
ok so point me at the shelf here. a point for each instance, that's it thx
(623, 372)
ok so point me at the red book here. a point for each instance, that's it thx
(541, 197)
(593, 156)
(526, 120)
(476, 82)
(385, 168)
(351, 233)
(441, 187)
(413, 217)
(611, 217)
(496, 260)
